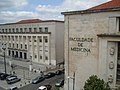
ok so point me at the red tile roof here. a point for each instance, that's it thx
(29, 21)
(110, 4)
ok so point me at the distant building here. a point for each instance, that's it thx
(92, 45)
(41, 41)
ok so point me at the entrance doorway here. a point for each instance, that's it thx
(20, 54)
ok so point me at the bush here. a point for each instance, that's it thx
(94, 83)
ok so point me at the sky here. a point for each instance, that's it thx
(15, 10)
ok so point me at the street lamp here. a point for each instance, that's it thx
(73, 78)
(30, 66)
(4, 48)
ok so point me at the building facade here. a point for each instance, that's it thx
(92, 45)
(40, 41)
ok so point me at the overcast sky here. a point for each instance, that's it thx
(15, 10)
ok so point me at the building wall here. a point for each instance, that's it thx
(59, 43)
(37, 51)
(86, 54)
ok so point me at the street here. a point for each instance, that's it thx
(50, 81)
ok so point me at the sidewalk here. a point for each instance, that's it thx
(22, 71)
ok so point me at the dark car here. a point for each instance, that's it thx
(58, 72)
(38, 79)
(49, 75)
(3, 76)
(12, 80)
(59, 83)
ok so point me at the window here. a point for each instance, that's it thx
(25, 46)
(46, 57)
(46, 40)
(9, 44)
(13, 30)
(119, 24)
(40, 39)
(35, 29)
(2, 30)
(9, 52)
(40, 29)
(17, 30)
(21, 30)
(5, 30)
(9, 30)
(25, 29)
(40, 57)
(35, 56)
(21, 45)
(46, 29)
(17, 45)
(30, 29)
(13, 45)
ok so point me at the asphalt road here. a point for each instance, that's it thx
(1, 88)
(50, 81)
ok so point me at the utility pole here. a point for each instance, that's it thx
(4, 48)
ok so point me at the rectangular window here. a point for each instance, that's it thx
(35, 56)
(35, 29)
(119, 24)
(46, 29)
(6, 30)
(40, 29)
(16, 29)
(40, 39)
(9, 44)
(46, 57)
(2, 30)
(21, 30)
(9, 30)
(30, 29)
(13, 30)
(25, 46)
(25, 29)
(13, 45)
(17, 45)
(40, 57)
(21, 45)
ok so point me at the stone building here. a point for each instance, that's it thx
(92, 45)
(41, 41)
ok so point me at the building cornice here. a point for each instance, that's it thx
(91, 11)
(108, 35)
(25, 33)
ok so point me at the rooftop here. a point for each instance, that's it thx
(32, 21)
(113, 5)
(110, 4)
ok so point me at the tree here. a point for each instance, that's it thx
(95, 83)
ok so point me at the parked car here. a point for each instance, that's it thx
(59, 83)
(3, 76)
(10, 76)
(13, 88)
(12, 80)
(49, 75)
(38, 79)
(45, 87)
(58, 72)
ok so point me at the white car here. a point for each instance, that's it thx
(42, 88)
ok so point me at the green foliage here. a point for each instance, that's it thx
(94, 83)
